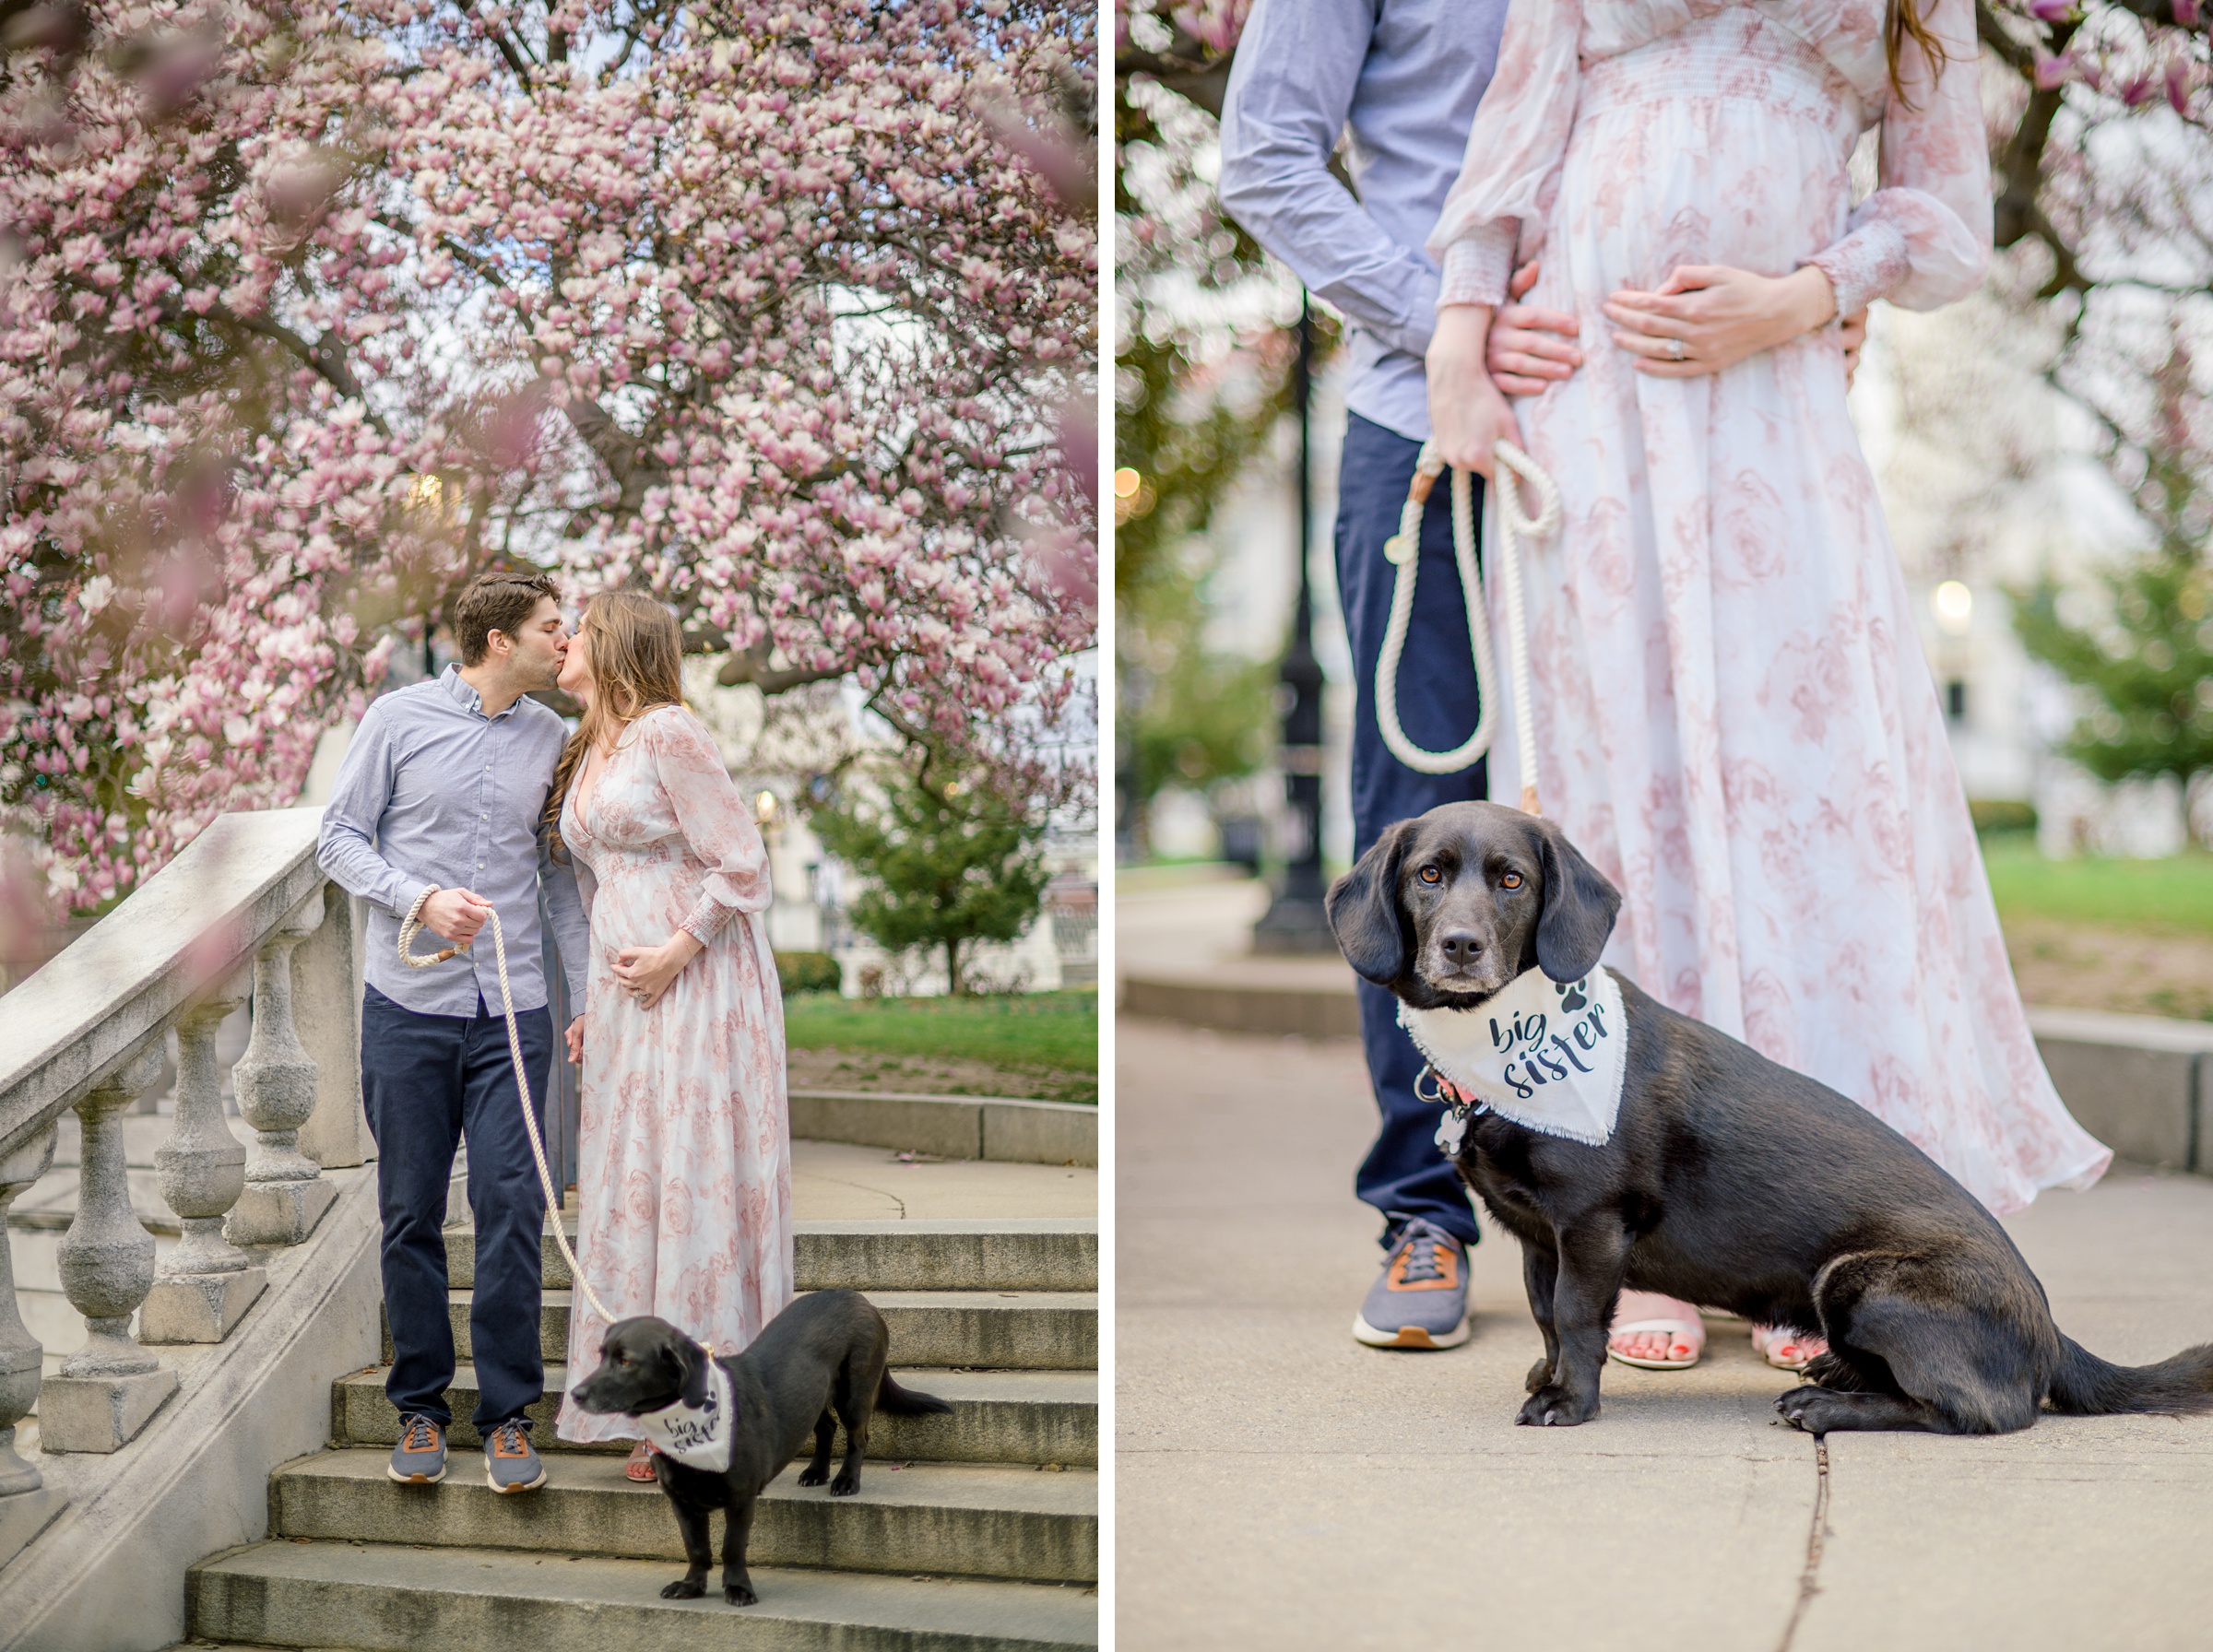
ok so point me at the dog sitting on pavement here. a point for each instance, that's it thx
(722, 1428)
(1627, 1144)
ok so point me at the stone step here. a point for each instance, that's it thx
(963, 1520)
(1029, 1330)
(1037, 1254)
(386, 1598)
(997, 1417)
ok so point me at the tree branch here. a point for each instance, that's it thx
(750, 665)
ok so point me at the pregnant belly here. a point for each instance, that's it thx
(1649, 187)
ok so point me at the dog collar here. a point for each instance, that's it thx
(1547, 1055)
(697, 1437)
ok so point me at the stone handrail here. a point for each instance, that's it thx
(242, 912)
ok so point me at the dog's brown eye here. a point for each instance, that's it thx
(1431, 875)
(1512, 880)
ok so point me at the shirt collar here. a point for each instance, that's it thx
(467, 697)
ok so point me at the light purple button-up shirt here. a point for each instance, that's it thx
(1406, 76)
(433, 791)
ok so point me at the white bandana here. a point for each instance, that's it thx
(1549, 1057)
(697, 1437)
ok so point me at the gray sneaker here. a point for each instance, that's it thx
(1420, 1300)
(510, 1463)
(419, 1457)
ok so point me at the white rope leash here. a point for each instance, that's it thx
(1404, 549)
(409, 927)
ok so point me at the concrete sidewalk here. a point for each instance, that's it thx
(1279, 1486)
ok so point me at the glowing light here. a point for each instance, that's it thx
(427, 491)
(1126, 482)
(764, 808)
(1954, 606)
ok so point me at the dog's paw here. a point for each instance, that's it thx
(846, 1484)
(740, 1594)
(1810, 1408)
(683, 1588)
(814, 1477)
(1831, 1370)
(1540, 1375)
(1554, 1407)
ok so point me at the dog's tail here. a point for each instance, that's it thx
(906, 1402)
(2089, 1387)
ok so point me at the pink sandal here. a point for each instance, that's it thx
(1784, 1349)
(1679, 1321)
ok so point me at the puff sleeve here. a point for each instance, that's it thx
(1510, 171)
(1923, 239)
(712, 816)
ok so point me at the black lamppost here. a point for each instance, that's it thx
(1294, 921)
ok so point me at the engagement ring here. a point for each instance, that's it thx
(1675, 349)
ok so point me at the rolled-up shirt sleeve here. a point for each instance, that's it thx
(345, 847)
(1494, 216)
(711, 812)
(1923, 239)
(1290, 89)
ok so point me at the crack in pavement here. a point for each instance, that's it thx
(879, 1192)
(1809, 1579)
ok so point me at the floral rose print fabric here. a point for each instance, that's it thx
(1734, 716)
(684, 1180)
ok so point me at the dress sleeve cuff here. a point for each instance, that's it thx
(705, 919)
(1477, 267)
(1864, 266)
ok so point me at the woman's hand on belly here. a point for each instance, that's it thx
(1709, 316)
(645, 971)
(1467, 415)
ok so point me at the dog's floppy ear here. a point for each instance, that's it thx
(1579, 908)
(692, 1366)
(1364, 910)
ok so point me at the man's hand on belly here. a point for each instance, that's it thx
(1523, 353)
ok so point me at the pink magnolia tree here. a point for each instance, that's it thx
(313, 310)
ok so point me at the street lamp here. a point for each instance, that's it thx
(1294, 921)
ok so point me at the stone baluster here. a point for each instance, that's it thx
(208, 1281)
(286, 1191)
(104, 1393)
(27, 1502)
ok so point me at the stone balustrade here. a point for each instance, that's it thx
(243, 913)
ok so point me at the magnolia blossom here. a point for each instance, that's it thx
(314, 310)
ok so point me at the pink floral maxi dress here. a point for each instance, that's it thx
(684, 1158)
(1733, 714)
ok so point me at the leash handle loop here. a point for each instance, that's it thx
(1404, 551)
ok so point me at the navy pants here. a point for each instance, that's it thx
(428, 1081)
(1404, 1174)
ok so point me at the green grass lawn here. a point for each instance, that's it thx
(1058, 1030)
(2172, 896)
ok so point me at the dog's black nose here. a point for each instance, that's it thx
(1460, 947)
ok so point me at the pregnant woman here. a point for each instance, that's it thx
(684, 1158)
(1733, 718)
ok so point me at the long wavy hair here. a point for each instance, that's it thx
(637, 657)
(1906, 23)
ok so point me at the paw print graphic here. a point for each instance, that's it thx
(1571, 996)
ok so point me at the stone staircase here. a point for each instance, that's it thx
(977, 1530)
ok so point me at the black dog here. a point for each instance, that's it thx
(1728, 1180)
(819, 1363)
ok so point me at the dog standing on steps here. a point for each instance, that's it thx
(1624, 1144)
(724, 1427)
